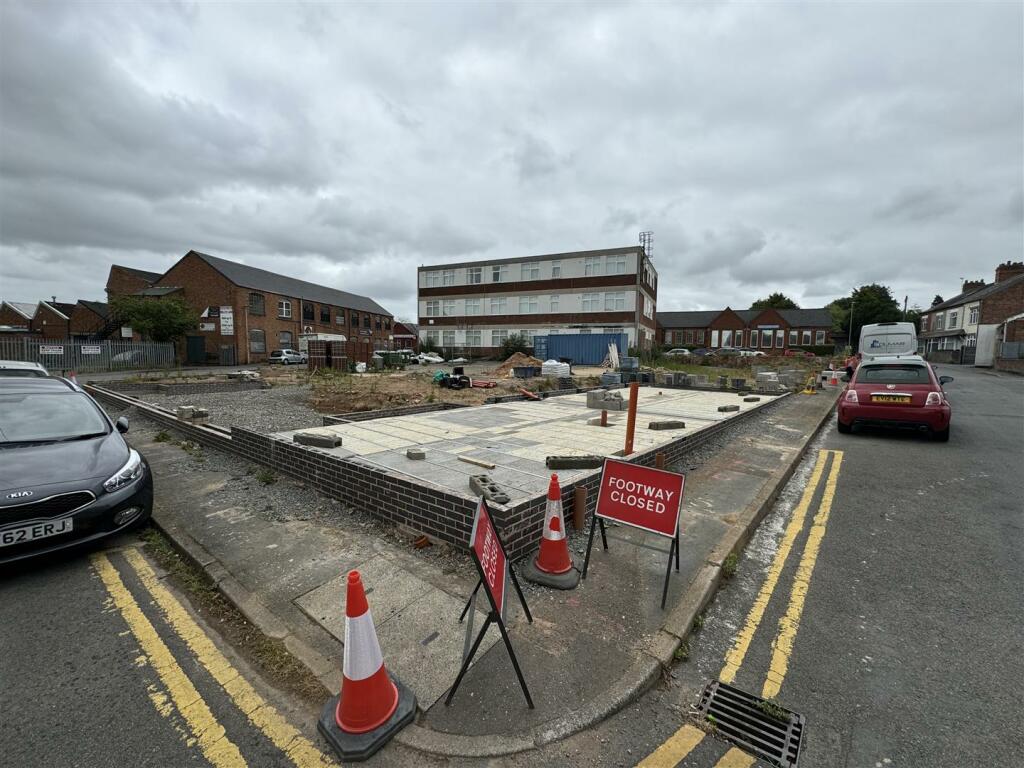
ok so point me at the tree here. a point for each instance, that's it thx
(514, 343)
(155, 319)
(937, 300)
(868, 304)
(775, 301)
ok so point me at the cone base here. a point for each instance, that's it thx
(529, 571)
(356, 747)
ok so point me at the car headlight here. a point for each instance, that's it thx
(126, 475)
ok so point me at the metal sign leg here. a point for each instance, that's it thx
(515, 662)
(470, 601)
(672, 553)
(469, 658)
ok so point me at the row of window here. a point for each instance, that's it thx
(591, 302)
(257, 306)
(258, 341)
(476, 338)
(953, 315)
(765, 339)
(593, 266)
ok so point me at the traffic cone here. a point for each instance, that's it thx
(73, 378)
(372, 706)
(552, 565)
(834, 381)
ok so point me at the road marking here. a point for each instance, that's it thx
(281, 733)
(735, 758)
(790, 622)
(675, 748)
(209, 734)
(741, 644)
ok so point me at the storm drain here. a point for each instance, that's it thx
(761, 727)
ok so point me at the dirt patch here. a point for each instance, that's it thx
(515, 361)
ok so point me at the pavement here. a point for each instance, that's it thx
(588, 653)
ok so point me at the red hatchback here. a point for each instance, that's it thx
(899, 393)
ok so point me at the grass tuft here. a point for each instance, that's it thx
(729, 566)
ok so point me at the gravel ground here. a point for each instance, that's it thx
(263, 410)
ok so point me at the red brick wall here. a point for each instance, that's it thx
(85, 322)
(121, 282)
(9, 317)
(999, 306)
(49, 324)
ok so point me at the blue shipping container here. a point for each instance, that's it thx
(581, 348)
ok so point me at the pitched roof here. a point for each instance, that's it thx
(977, 295)
(798, 318)
(99, 307)
(149, 277)
(23, 308)
(691, 319)
(251, 277)
(157, 290)
(813, 318)
(62, 308)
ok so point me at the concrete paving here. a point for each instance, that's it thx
(517, 437)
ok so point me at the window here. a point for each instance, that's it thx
(714, 338)
(433, 308)
(284, 309)
(614, 301)
(819, 337)
(434, 337)
(554, 302)
(339, 317)
(648, 307)
(472, 338)
(972, 319)
(806, 338)
(499, 273)
(355, 319)
(940, 322)
(472, 306)
(257, 342)
(766, 339)
(285, 339)
(527, 336)
(689, 336)
(448, 277)
(448, 307)
(498, 306)
(448, 338)
(616, 265)
(892, 374)
(591, 302)
(794, 336)
(531, 271)
(366, 321)
(432, 279)
(700, 336)
(780, 339)
(307, 312)
(498, 338)
(592, 266)
(474, 275)
(971, 340)
(953, 318)
(726, 338)
(256, 304)
(387, 324)
(754, 338)
(325, 314)
(377, 324)
(527, 304)
(556, 269)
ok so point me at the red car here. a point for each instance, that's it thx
(791, 352)
(899, 393)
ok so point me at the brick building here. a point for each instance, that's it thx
(769, 330)
(125, 281)
(407, 336)
(52, 319)
(246, 312)
(16, 318)
(475, 306)
(91, 320)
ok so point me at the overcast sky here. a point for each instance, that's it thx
(800, 148)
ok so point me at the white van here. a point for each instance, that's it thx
(888, 340)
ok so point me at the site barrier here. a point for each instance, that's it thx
(57, 355)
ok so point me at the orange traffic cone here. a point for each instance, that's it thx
(552, 566)
(372, 706)
(73, 378)
(834, 381)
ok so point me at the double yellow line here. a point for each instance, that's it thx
(207, 732)
(686, 739)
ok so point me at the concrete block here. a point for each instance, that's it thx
(185, 412)
(574, 462)
(316, 440)
(667, 425)
(604, 400)
(751, 399)
(416, 454)
(727, 408)
(483, 485)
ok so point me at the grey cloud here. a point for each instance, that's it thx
(918, 204)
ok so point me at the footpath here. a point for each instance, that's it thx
(588, 653)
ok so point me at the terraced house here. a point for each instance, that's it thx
(475, 306)
(769, 330)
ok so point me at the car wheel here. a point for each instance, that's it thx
(284, 361)
(941, 436)
(844, 429)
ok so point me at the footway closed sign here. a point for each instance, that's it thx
(642, 497)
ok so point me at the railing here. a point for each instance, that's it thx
(59, 355)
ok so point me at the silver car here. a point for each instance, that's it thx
(287, 357)
(20, 368)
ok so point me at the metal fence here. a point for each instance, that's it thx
(89, 356)
(1011, 350)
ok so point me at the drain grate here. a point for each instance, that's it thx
(741, 718)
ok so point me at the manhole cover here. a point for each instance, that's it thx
(757, 725)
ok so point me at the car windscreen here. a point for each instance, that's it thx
(893, 374)
(33, 372)
(47, 416)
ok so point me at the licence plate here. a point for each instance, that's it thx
(35, 531)
(900, 399)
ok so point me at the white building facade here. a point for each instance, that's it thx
(474, 306)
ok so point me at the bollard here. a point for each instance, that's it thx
(604, 418)
(634, 391)
(659, 460)
(579, 508)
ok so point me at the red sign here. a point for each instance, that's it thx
(483, 541)
(645, 498)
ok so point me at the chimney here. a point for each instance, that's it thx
(972, 285)
(54, 299)
(1009, 269)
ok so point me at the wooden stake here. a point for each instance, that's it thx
(659, 460)
(579, 508)
(634, 391)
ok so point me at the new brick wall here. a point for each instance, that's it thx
(192, 388)
(409, 410)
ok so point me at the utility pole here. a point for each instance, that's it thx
(853, 303)
(905, 307)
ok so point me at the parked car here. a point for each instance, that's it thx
(429, 358)
(896, 392)
(724, 352)
(700, 351)
(288, 357)
(67, 475)
(19, 368)
(129, 357)
(793, 352)
(751, 353)
(678, 353)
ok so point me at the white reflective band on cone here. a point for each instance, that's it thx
(362, 651)
(554, 510)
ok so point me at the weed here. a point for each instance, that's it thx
(266, 476)
(729, 566)
(698, 623)
(682, 652)
(162, 436)
(712, 725)
(771, 708)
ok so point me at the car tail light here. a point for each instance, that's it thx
(851, 396)
(934, 398)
